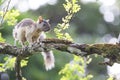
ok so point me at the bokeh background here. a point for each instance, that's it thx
(97, 22)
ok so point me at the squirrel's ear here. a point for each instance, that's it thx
(40, 19)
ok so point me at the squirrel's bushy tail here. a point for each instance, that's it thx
(48, 59)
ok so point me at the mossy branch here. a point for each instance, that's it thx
(110, 51)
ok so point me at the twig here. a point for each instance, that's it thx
(5, 13)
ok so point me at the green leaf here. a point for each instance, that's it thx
(110, 78)
(24, 78)
(10, 62)
(24, 63)
(2, 69)
(1, 64)
(74, 1)
(68, 37)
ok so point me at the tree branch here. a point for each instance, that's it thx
(5, 13)
(110, 51)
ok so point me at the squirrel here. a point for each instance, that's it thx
(31, 31)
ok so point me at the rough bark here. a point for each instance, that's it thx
(110, 51)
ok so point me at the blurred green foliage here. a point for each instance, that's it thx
(1, 38)
(1, 1)
(75, 70)
(10, 62)
(10, 16)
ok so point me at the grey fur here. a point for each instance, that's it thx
(26, 22)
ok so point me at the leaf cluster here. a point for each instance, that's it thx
(71, 7)
(75, 70)
(10, 16)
